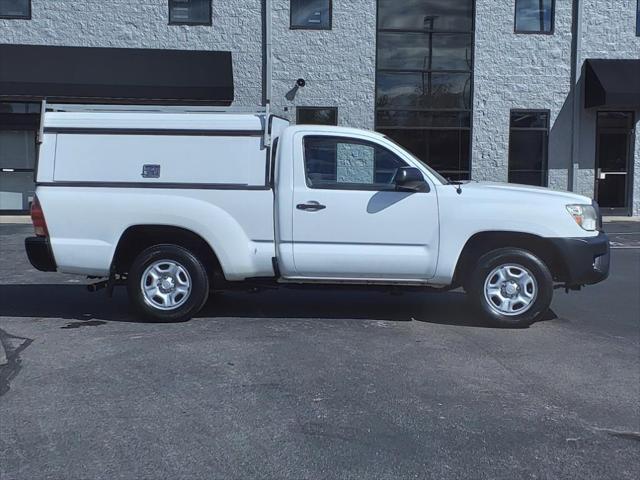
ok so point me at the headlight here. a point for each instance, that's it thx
(585, 216)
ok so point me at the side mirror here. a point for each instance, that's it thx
(410, 179)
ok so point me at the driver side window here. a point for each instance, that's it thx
(348, 164)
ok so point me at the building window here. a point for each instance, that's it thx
(18, 9)
(534, 16)
(528, 147)
(348, 164)
(317, 116)
(424, 80)
(311, 14)
(189, 12)
(19, 124)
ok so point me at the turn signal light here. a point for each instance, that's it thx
(585, 216)
(37, 218)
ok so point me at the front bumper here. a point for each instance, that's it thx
(586, 259)
(40, 254)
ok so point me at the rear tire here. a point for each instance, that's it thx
(511, 287)
(167, 283)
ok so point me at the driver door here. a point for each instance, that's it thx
(349, 221)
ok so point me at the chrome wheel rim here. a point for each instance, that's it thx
(510, 289)
(165, 285)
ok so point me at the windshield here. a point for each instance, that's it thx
(442, 180)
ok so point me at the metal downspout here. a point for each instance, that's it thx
(576, 42)
(267, 61)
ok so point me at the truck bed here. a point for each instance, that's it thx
(205, 172)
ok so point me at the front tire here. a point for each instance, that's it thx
(511, 287)
(167, 283)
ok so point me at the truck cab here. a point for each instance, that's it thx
(175, 204)
(345, 214)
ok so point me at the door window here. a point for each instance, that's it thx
(348, 164)
(613, 147)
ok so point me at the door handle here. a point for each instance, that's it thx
(311, 206)
(603, 175)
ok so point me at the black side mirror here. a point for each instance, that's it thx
(410, 179)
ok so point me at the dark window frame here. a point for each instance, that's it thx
(534, 32)
(24, 122)
(447, 173)
(209, 23)
(547, 130)
(297, 27)
(367, 187)
(18, 17)
(631, 157)
(638, 18)
(462, 174)
(430, 33)
(304, 107)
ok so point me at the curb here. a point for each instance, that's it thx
(621, 219)
(9, 219)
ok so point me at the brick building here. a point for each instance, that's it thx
(544, 92)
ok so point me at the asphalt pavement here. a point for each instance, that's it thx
(293, 384)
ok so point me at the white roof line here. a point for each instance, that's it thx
(60, 107)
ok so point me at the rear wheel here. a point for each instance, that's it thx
(511, 287)
(167, 283)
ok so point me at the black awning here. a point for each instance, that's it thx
(612, 83)
(108, 75)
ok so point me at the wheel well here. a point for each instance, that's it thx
(484, 242)
(140, 237)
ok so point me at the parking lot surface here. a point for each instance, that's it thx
(331, 384)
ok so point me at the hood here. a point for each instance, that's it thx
(527, 190)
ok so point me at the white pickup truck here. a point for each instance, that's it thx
(175, 204)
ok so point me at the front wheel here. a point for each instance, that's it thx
(511, 287)
(167, 283)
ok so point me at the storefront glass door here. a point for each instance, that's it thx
(613, 160)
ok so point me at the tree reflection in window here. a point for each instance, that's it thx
(424, 79)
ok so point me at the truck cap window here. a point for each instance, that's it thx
(348, 164)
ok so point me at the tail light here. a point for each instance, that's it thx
(37, 218)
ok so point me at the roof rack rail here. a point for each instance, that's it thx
(77, 107)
